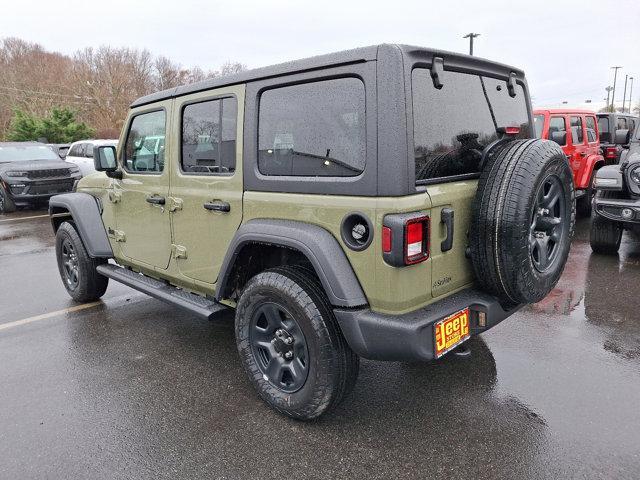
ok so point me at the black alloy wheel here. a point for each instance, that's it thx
(279, 347)
(70, 264)
(549, 224)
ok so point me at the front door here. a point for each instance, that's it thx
(206, 184)
(142, 217)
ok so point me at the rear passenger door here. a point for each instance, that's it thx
(206, 183)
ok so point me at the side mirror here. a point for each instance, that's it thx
(559, 137)
(104, 158)
(621, 137)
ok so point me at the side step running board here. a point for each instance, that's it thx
(201, 306)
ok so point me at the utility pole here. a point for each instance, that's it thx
(608, 89)
(624, 95)
(613, 94)
(630, 93)
(471, 36)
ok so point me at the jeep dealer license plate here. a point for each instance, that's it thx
(451, 332)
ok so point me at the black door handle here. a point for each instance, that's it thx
(446, 217)
(217, 206)
(156, 200)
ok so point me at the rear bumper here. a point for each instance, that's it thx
(612, 209)
(410, 337)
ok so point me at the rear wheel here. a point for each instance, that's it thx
(523, 221)
(6, 204)
(77, 269)
(291, 345)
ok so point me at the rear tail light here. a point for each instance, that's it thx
(611, 153)
(415, 240)
(405, 239)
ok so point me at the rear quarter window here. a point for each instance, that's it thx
(314, 129)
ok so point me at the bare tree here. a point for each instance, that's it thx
(99, 84)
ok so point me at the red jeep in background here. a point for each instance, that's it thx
(581, 146)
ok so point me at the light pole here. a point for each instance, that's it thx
(471, 36)
(630, 93)
(624, 95)
(613, 94)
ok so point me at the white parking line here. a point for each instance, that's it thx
(110, 302)
(23, 218)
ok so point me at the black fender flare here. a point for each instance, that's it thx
(86, 214)
(318, 245)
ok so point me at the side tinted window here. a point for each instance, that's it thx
(209, 137)
(75, 150)
(632, 125)
(88, 150)
(314, 129)
(557, 126)
(538, 123)
(577, 136)
(591, 129)
(144, 150)
(603, 128)
(622, 123)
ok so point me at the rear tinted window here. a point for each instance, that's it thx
(452, 125)
(314, 129)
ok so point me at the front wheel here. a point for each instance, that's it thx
(77, 269)
(6, 204)
(605, 235)
(291, 345)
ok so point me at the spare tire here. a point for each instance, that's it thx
(523, 221)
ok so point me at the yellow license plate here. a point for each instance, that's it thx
(451, 332)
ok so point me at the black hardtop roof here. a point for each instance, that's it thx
(363, 54)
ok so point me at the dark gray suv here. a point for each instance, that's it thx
(617, 201)
(30, 173)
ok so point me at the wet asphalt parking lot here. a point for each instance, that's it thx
(132, 388)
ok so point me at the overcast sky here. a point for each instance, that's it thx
(565, 47)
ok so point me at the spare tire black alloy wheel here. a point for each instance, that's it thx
(522, 222)
(279, 347)
(548, 224)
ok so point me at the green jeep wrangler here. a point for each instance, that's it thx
(386, 202)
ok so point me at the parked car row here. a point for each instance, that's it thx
(580, 134)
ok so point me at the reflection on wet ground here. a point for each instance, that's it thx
(139, 390)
